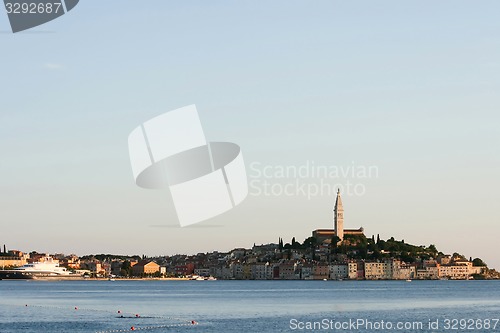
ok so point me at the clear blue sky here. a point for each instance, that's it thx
(410, 87)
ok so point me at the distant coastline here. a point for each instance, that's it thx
(329, 254)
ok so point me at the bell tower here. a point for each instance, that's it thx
(338, 217)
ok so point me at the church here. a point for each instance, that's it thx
(338, 225)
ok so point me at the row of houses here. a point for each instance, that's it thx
(390, 269)
(265, 262)
(138, 268)
(394, 269)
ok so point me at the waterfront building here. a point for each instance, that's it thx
(321, 271)
(403, 271)
(247, 271)
(236, 270)
(145, 267)
(339, 271)
(262, 271)
(428, 273)
(352, 270)
(306, 271)
(222, 272)
(477, 270)
(184, 270)
(94, 266)
(202, 271)
(456, 270)
(13, 258)
(287, 271)
(378, 270)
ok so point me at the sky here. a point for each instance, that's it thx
(409, 89)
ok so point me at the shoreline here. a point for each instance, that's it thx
(59, 278)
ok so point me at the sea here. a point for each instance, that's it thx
(249, 306)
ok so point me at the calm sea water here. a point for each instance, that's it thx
(248, 306)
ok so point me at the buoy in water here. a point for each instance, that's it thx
(132, 328)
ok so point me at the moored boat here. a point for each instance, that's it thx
(48, 268)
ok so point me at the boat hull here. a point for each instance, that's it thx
(13, 275)
(19, 275)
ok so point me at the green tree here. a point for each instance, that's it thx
(126, 269)
(334, 245)
(363, 252)
(335, 240)
(310, 243)
(478, 262)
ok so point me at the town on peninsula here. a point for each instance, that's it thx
(328, 254)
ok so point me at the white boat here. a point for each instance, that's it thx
(203, 278)
(46, 268)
